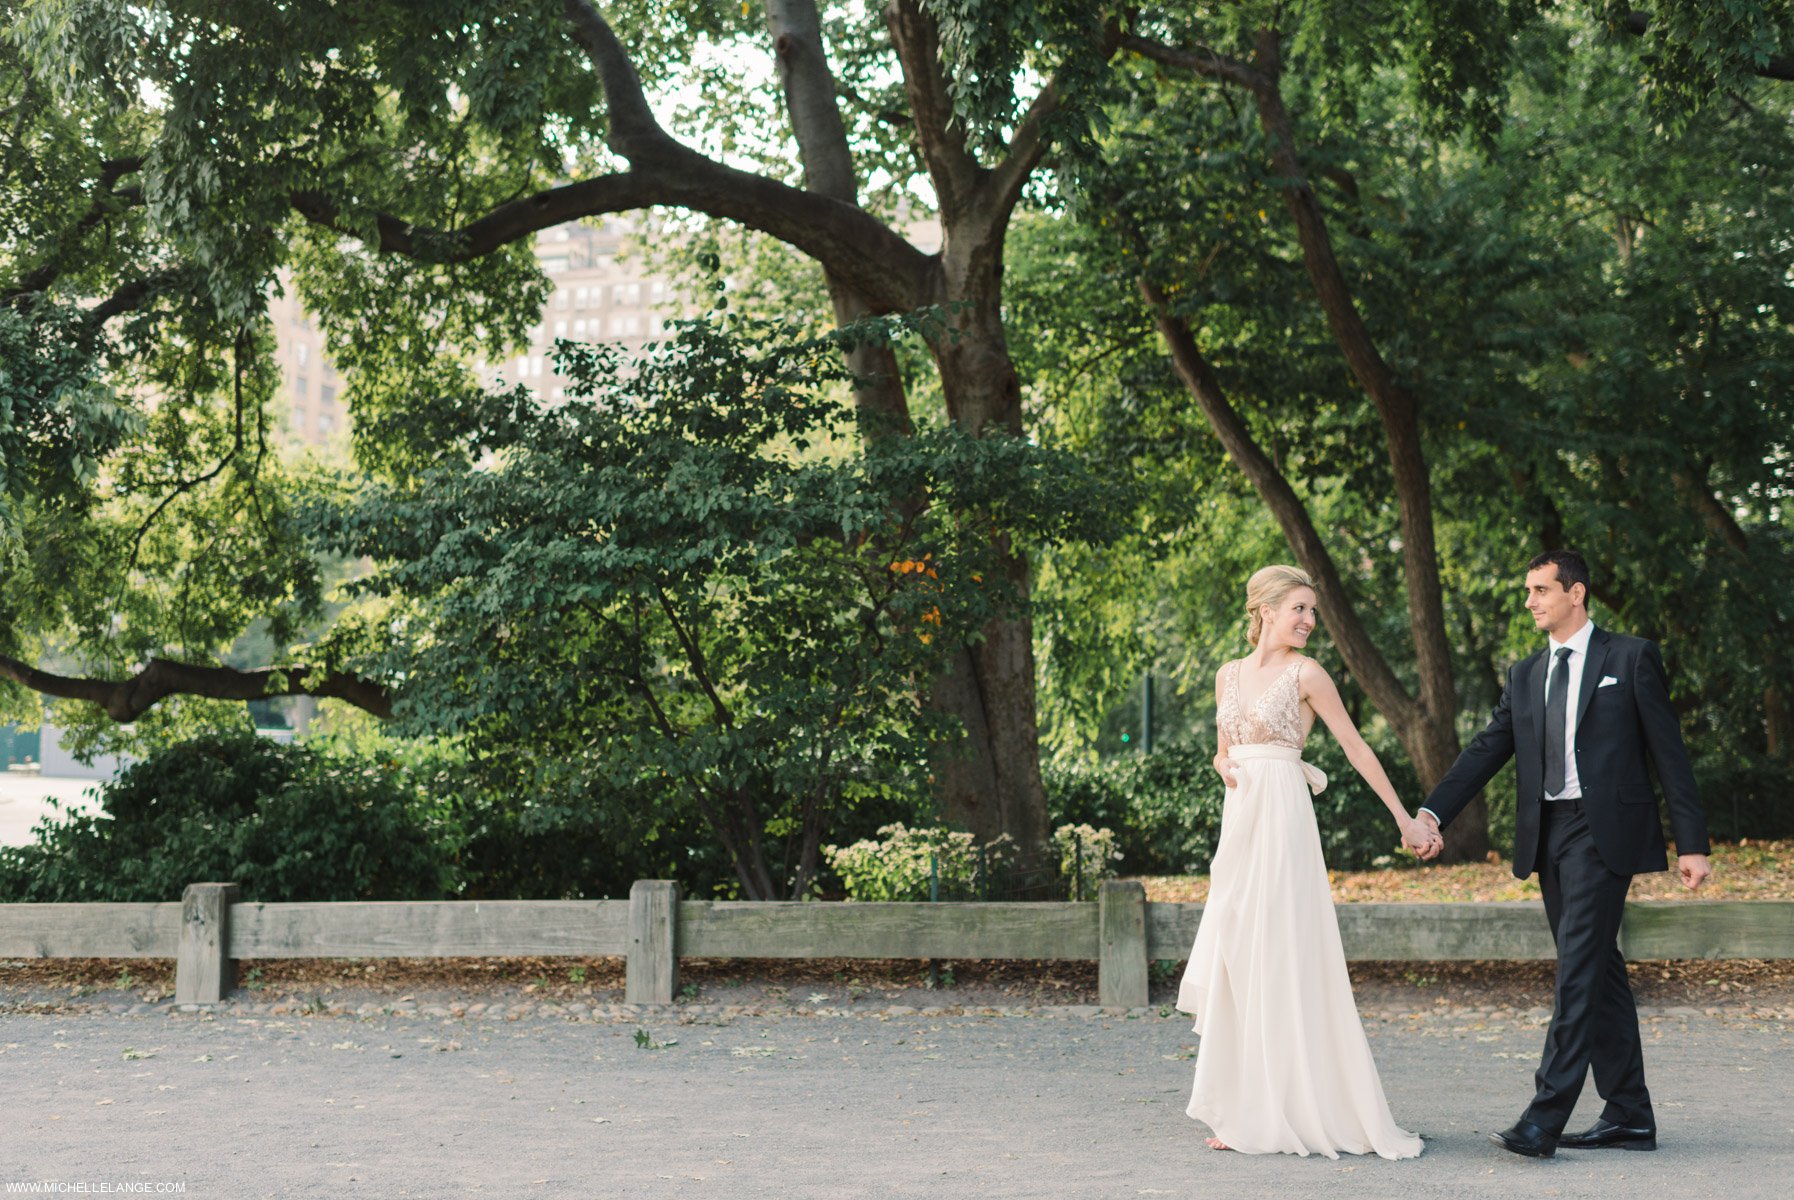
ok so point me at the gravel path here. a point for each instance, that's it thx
(813, 1103)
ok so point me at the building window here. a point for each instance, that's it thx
(561, 299)
(301, 387)
(302, 352)
(326, 395)
(560, 329)
(582, 297)
(326, 422)
(657, 291)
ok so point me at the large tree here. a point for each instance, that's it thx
(400, 159)
(1583, 314)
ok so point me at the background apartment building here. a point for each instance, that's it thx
(595, 298)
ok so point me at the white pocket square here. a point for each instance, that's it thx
(1607, 681)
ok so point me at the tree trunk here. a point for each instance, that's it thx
(991, 784)
(1430, 740)
(1426, 724)
(1432, 746)
(1775, 723)
(870, 268)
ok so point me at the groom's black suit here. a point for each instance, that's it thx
(1586, 851)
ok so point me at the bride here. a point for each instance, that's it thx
(1283, 1065)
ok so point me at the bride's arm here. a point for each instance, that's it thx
(1323, 697)
(1223, 764)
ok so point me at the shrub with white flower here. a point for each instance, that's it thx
(896, 864)
(1087, 856)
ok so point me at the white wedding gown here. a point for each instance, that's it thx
(1283, 1065)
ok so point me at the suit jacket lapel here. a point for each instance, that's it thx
(1591, 673)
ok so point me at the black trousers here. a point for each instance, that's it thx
(1595, 1022)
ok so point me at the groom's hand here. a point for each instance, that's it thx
(1694, 869)
(1437, 842)
(1420, 837)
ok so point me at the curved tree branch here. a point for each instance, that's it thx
(1779, 67)
(1201, 60)
(1356, 646)
(129, 297)
(941, 139)
(858, 248)
(127, 699)
(810, 99)
(108, 199)
(1397, 406)
(1027, 147)
(1029, 144)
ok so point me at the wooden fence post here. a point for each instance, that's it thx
(204, 972)
(1121, 952)
(651, 971)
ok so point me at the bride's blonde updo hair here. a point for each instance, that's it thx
(1269, 585)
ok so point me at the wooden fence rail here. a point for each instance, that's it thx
(209, 930)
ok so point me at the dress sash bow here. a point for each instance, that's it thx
(1315, 777)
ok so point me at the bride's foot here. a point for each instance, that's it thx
(1217, 1144)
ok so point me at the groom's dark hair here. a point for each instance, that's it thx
(1572, 569)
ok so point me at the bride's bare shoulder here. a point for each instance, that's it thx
(1312, 675)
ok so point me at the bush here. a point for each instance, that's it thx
(1745, 794)
(562, 839)
(897, 865)
(283, 822)
(1165, 808)
(1087, 856)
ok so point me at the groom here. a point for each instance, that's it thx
(1580, 719)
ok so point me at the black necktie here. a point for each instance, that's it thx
(1557, 706)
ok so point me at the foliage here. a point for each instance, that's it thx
(1087, 856)
(694, 586)
(282, 822)
(902, 863)
(1695, 53)
(1594, 311)
(1591, 298)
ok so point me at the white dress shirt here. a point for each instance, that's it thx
(1578, 646)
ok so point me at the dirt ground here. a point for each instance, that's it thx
(1751, 869)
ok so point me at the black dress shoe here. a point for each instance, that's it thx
(1526, 1138)
(1605, 1135)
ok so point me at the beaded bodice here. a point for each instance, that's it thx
(1275, 717)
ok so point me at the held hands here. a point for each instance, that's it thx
(1421, 835)
(1694, 870)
